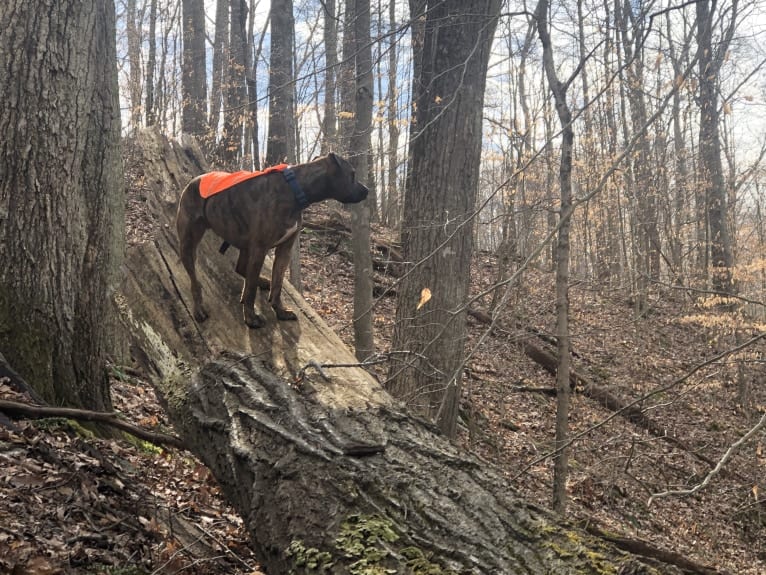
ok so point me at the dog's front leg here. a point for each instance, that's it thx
(241, 269)
(255, 263)
(281, 261)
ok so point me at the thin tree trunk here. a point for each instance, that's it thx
(364, 343)
(134, 58)
(561, 462)
(329, 129)
(220, 58)
(391, 209)
(151, 62)
(253, 95)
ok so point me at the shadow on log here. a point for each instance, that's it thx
(330, 475)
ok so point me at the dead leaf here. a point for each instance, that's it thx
(425, 295)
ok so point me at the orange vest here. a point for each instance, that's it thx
(214, 182)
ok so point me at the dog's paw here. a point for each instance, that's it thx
(285, 314)
(252, 319)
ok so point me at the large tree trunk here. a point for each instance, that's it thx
(61, 203)
(711, 180)
(280, 144)
(442, 182)
(194, 72)
(236, 88)
(328, 473)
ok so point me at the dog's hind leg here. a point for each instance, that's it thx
(281, 261)
(189, 236)
(256, 255)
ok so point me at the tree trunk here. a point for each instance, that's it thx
(561, 461)
(711, 180)
(364, 343)
(151, 62)
(194, 71)
(328, 474)
(220, 58)
(134, 58)
(236, 88)
(437, 233)
(391, 207)
(281, 137)
(61, 203)
(329, 129)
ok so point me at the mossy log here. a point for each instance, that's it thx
(328, 472)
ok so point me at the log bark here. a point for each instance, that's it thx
(329, 473)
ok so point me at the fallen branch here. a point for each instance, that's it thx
(733, 449)
(18, 410)
(646, 549)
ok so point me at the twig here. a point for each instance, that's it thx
(717, 469)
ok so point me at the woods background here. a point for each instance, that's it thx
(613, 147)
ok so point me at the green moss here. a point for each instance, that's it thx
(366, 539)
(146, 447)
(419, 564)
(308, 559)
(367, 544)
(569, 546)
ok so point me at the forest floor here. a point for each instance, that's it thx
(71, 503)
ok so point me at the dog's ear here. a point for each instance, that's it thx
(334, 158)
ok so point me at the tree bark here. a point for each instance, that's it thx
(220, 58)
(391, 207)
(647, 240)
(442, 182)
(711, 180)
(329, 129)
(151, 62)
(326, 470)
(559, 90)
(236, 88)
(194, 71)
(132, 27)
(61, 204)
(364, 343)
(281, 136)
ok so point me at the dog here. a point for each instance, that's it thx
(258, 214)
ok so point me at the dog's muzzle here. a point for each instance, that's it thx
(360, 193)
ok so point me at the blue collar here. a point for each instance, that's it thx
(292, 181)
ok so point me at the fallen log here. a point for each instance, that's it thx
(329, 473)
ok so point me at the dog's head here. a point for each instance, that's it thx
(345, 187)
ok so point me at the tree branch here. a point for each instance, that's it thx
(18, 410)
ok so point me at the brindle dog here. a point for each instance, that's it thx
(256, 215)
